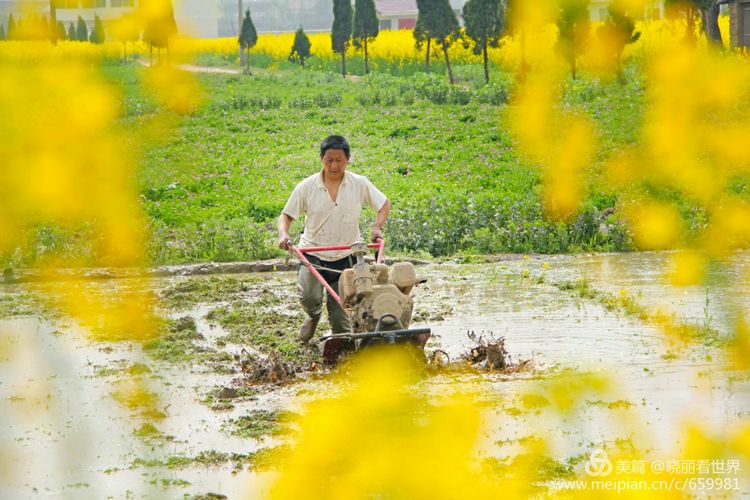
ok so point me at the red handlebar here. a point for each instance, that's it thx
(380, 245)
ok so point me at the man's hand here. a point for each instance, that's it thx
(380, 219)
(283, 226)
(284, 241)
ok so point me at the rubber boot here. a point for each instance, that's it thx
(307, 330)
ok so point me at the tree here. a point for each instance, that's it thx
(2, 32)
(617, 32)
(11, 33)
(691, 10)
(366, 26)
(426, 10)
(43, 31)
(240, 10)
(54, 27)
(484, 21)
(82, 31)
(126, 29)
(159, 29)
(97, 34)
(574, 25)
(445, 30)
(72, 32)
(341, 31)
(61, 34)
(300, 47)
(248, 36)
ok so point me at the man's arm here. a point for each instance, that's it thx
(283, 225)
(380, 219)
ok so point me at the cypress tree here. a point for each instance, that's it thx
(300, 47)
(573, 25)
(97, 34)
(341, 31)
(61, 34)
(11, 33)
(617, 32)
(54, 28)
(71, 32)
(445, 30)
(159, 30)
(2, 33)
(484, 21)
(42, 29)
(248, 37)
(421, 33)
(82, 31)
(366, 26)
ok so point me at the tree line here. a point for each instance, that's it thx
(437, 27)
(39, 28)
(156, 31)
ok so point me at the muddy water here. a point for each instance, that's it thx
(64, 435)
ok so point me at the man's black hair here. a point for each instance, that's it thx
(334, 142)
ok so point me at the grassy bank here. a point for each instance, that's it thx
(444, 156)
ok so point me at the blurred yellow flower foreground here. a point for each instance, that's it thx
(382, 438)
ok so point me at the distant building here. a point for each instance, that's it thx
(277, 15)
(739, 23)
(108, 10)
(402, 14)
(194, 17)
(599, 12)
(396, 14)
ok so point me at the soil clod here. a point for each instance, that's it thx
(271, 369)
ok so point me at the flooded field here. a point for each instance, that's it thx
(176, 417)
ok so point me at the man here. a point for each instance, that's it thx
(331, 201)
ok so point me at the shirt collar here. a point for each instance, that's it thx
(322, 184)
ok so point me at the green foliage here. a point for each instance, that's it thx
(11, 33)
(453, 175)
(426, 11)
(248, 102)
(43, 23)
(437, 21)
(573, 24)
(300, 48)
(61, 33)
(256, 424)
(199, 290)
(341, 31)
(366, 26)
(484, 21)
(181, 240)
(248, 35)
(617, 32)
(445, 29)
(159, 30)
(82, 31)
(97, 34)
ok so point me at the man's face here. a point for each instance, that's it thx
(334, 163)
